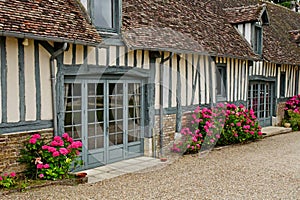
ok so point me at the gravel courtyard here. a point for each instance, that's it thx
(267, 169)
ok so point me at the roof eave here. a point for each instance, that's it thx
(46, 38)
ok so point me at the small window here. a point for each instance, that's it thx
(104, 14)
(282, 84)
(221, 82)
(257, 39)
(297, 83)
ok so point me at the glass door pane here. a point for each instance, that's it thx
(73, 110)
(115, 113)
(134, 112)
(95, 115)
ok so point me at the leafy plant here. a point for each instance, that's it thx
(294, 119)
(8, 180)
(292, 112)
(32, 150)
(52, 161)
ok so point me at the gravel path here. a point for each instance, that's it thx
(267, 169)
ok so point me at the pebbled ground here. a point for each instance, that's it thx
(266, 169)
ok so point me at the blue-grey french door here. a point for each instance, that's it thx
(107, 116)
(261, 100)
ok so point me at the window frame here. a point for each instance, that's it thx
(282, 84)
(257, 38)
(223, 76)
(297, 83)
(116, 16)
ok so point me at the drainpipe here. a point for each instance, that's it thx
(161, 99)
(53, 83)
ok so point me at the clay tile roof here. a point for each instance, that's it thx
(252, 13)
(180, 25)
(277, 44)
(54, 20)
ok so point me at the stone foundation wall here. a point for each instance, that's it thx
(169, 128)
(280, 113)
(10, 146)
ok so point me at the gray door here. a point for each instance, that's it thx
(261, 100)
(108, 119)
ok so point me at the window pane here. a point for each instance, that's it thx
(103, 13)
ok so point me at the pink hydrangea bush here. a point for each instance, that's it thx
(221, 125)
(241, 125)
(292, 112)
(293, 103)
(54, 160)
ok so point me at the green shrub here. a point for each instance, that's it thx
(8, 180)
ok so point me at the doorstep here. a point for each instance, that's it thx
(119, 168)
(274, 130)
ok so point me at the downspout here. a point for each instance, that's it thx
(53, 84)
(161, 99)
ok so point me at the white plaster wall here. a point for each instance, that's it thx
(248, 32)
(112, 55)
(13, 112)
(174, 80)
(30, 89)
(68, 56)
(79, 54)
(46, 95)
(189, 82)
(91, 56)
(202, 77)
(146, 60)
(122, 56)
(102, 56)
(130, 58)
(183, 80)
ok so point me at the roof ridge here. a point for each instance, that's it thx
(249, 6)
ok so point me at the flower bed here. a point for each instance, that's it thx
(221, 125)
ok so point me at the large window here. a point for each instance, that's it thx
(221, 82)
(105, 14)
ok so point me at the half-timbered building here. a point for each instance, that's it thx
(121, 76)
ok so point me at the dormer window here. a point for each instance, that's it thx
(105, 14)
(249, 20)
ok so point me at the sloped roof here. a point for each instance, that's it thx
(277, 44)
(180, 25)
(252, 13)
(55, 20)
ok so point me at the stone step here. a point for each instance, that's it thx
(274, 130)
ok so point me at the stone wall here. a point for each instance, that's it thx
(280, 113)
(169, 128)
(10, 146)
